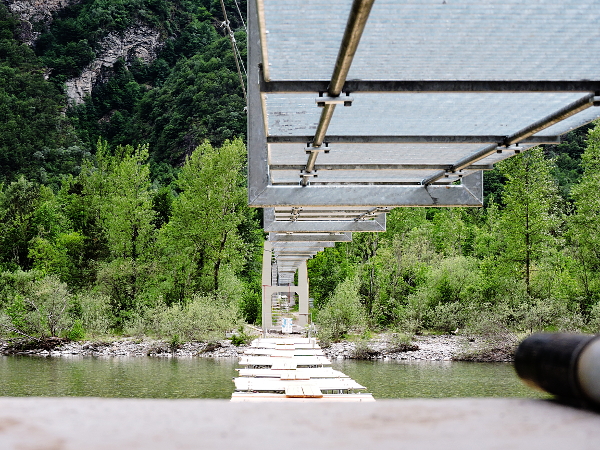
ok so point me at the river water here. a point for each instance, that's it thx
(212, 378)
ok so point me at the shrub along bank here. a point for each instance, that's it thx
(112, 254)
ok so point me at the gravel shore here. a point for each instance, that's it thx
(426, 348)
(430, 348)
(133, 347)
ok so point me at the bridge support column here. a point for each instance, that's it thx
(303, 294)
(267, 318)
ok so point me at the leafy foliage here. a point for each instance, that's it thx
(204, 318)
(189, 93)
(39, 307)
(528, 220)
(202, 235)
(30, 119)
(526, 262)
(102, 258)
(343, 313)
(585, 227)
(153, 222)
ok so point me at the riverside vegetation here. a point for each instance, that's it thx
(126, 215)
(528, 261)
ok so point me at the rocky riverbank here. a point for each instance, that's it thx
(126, 347)
(422, 348)
(425, 348)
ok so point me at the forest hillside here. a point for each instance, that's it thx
(124, 210)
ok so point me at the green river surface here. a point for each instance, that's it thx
(143, 377)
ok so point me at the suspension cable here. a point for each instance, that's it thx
(236, 52)
(239, 55)
(240, 13)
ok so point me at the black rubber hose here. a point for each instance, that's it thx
(551, 362)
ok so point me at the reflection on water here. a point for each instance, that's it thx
(436, 379)
(212, 378)
(117, 377)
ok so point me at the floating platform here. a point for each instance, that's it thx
(292, 369)
(299, 374)
(274, 384)
(284, 352)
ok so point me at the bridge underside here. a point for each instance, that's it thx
(358, 107)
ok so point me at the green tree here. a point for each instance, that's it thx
(203, 235)
(127, 210)
(585, 223)
(567, 154)
(127, 216)
(38, 308)
(82, 198)
(326, 270)
(452, 232)
(529, 217)
(57, 248)
(18, 203)
(343, 313)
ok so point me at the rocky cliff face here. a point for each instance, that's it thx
(32, 11)
(137, 42)
(38, 10)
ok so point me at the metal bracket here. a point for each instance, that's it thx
(295, 214)
(310, 149)
(321, 100)
(515, 148)
(304, 177)
(304, 174)
(371, 213)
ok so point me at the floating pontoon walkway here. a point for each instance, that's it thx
(292, 369)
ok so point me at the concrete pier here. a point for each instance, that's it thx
(478, 424)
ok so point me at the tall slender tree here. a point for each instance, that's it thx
(127, 218)
(529, 218)
(584, 229)
(18, 203)
(203, 236)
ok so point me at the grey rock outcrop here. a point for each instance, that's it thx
(136, 42)
(38, 10)
(32, 11)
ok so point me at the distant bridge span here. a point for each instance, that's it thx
(358, 107)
